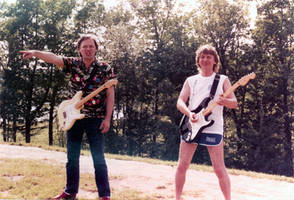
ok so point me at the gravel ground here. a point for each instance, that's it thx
(159, 179)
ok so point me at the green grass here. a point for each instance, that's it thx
(162, 162)
(30, 179)
(41, 140)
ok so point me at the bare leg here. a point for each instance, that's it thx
(186, 153)
(217, 159)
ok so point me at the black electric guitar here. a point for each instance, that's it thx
(191, 130)
(69, 110)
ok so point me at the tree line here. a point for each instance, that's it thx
(151, 45)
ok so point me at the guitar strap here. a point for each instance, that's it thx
(214, 86)
(85, 88)
(202, 105)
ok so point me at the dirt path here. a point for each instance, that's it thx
(159, 179)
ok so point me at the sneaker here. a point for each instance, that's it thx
(65, 195)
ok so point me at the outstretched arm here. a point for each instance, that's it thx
(43, 55)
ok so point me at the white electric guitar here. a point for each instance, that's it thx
(69, 110)
(191, 130)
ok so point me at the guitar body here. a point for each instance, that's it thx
(190, 131)
(69, 111)
(68, 114)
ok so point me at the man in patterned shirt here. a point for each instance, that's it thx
(98, 112)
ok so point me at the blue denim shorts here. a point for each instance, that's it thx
(208, 139)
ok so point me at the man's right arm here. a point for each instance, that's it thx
(48, 57)
(181, 103)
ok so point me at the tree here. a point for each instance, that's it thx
(59, 41)
(89, 16)
(26, 28)
(274, 38)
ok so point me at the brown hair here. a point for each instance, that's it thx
(208, 49)
(86, 37)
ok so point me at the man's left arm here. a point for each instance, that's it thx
(230, 101)
(105, 125)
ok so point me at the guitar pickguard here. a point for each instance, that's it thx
(68, 114)
(69, 110)
(190, 130)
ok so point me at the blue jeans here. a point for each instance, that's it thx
(96, 141)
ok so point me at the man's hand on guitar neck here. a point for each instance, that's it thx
(227, 99)
(229, 102)
(221, 100)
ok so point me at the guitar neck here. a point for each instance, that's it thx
(89, 96)
(227, 93)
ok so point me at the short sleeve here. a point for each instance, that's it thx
(68, 62)
(109, 71)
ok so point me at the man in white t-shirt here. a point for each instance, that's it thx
(196, 88)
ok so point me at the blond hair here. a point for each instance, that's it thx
(208, 49)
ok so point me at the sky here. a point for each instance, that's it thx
(188, 6)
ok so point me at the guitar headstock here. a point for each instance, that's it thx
(245, 79)
(110, 83)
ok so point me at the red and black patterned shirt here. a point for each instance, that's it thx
(95, 107)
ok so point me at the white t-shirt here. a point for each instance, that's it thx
(200, 87)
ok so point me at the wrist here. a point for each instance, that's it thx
(108, 118)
